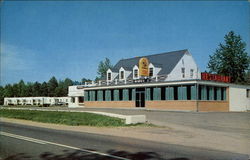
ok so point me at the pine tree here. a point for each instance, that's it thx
(22, 88)
(52, 84)
(36, 89)
(230, 59)
(44, 89)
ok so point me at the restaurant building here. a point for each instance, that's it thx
(166, 81)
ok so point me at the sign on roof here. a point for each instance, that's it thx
(215, 77)
(143, 67)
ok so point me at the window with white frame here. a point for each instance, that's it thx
(109, 76)
(191, 73)
(183, 72)
(151, 72)
(122, 75)
(135, 73)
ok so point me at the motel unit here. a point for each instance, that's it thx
(39, 101)
(166, 81)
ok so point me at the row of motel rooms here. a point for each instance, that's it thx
(167, 81)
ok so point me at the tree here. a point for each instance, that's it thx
(67, 82)
(29, 89)
(85, 80)
(230, 59)
(248, 77)
(36, 89)
(62, 88)
(15, 90)
(76, 83)
(59, 91)
(103, 67)
(1, 95)
(44, 89)
(52, 84)
(8, 91)
(22, 88)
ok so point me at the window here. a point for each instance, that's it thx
(122, 75)
(81, 99)
(151, 72)
(248, 93)
(73, 99)
(191, 73)
(183, 72)
(136, 73)
(109, 76)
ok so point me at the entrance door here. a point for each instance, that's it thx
(140, 98)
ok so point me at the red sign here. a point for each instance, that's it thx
(215, 77)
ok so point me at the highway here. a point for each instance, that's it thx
(27, 142)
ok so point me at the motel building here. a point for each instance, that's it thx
(38, 101)
(166, 81)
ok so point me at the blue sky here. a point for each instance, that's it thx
(68, 39)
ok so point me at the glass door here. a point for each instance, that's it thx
(140, 97)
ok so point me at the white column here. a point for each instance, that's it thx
(77, 101)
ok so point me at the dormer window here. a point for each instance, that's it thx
(151, 72)
(109, 76)
(122, 75)
(135, 73)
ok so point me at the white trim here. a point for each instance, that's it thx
(136, 68)
(124, 74)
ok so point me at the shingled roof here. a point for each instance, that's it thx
(166, 61)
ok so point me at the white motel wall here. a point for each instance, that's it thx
(76, 96)
(239, 98)
(39, 101)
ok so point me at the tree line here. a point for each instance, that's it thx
(52, 88)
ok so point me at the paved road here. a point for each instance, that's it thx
(26, 142)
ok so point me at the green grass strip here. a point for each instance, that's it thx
(68, 118)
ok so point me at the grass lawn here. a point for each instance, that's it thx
(68, 118)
